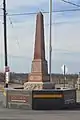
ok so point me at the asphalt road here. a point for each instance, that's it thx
(9, 114)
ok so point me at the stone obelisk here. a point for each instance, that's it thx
(39, 78)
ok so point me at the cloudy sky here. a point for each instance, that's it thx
(21, 35)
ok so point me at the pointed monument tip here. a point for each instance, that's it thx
(39, 13)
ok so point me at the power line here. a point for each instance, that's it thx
(1, 5)
(67, 10)
(45, 12)
(26, 13)
(11, 23)
(33, 13)
(1, 2)
(55, 50)
(71, 3)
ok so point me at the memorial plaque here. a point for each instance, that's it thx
(36, 78)
(18, 98)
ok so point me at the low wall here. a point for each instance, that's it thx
(53, 99)
(40, 99)
(20, 99)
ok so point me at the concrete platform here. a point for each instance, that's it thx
(46, 99)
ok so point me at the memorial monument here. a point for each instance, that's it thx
(34, 96)
(39, 77)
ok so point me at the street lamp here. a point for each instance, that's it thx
(50, 41)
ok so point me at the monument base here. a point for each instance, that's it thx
(38, 85)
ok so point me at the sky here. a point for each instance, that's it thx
(21, 35)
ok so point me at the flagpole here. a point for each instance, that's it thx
(50, 41)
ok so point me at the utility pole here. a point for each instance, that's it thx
(50, 42)
(5, 45)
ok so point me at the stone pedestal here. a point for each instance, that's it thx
(39, 71)
(39, 66)
(38, 85)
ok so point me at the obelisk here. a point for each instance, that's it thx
(39, 78)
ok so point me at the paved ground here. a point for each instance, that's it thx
(7, 114)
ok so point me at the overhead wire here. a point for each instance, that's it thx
(32, 13)
(1, 4)
(11, 23)
(45, 12)
(74, 4)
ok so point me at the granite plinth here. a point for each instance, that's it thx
(38, 85)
